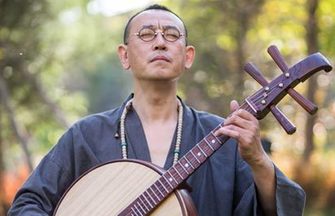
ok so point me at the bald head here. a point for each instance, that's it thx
(152, 7)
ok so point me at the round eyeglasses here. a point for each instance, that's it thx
(170, 34)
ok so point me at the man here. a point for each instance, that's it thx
(154, 125)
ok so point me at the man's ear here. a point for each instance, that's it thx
(190, 54)
(123, 56)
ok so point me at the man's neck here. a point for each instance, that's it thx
(155, 105)
(152, 110)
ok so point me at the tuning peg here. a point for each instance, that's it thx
(253, 71)
(305, 103)
(281, 118)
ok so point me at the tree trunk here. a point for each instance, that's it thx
(312, 46)
(17, 128)
(54, 108)
(240, 54)
(2, 189)
(245, 13)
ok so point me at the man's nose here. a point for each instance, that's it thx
(159, 41)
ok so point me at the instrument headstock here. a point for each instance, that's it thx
(265, 99)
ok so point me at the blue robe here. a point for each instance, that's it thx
(223, 185)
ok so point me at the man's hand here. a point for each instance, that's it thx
(244, 127)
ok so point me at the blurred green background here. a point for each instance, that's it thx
(58, 63)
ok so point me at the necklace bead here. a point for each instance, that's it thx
(124, 145)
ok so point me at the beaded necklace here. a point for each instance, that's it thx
(124, 144)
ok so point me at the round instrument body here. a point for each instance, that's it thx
(109, 188)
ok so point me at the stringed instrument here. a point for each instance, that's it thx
(134, 187)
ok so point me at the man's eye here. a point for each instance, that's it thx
(146, 33)
(172, 34)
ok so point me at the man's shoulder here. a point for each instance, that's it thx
(97, 120)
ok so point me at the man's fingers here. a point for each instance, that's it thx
(241, 118)
(229, 130)
(234, 105)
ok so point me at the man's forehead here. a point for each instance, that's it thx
(156, 17)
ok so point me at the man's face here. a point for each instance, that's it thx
(157, 59)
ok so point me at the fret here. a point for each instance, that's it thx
(216, 141)
(145, 204)
(210, 146)
(172, 177)
(167, 191)
(148, 198)
(182, 166)
(250, 105)
(166, 184)
(136, 207)
(194, 156)
(160, 192)
(213, 141)
(141, 206)
(189, 162)
(217, 128)
(155, 198)
(203, 152)
(206, 148)
(168, 179)
(200, 154)
(133, 210)
(176, 170)
(179, 170)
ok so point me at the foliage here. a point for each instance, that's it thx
(219, 31)
(317, 178)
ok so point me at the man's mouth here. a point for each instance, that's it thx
(160, 58)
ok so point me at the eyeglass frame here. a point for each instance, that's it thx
(156, 33)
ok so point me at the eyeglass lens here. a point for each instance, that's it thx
(169, 34)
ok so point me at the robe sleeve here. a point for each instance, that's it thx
(290, 197)
(46, 184)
